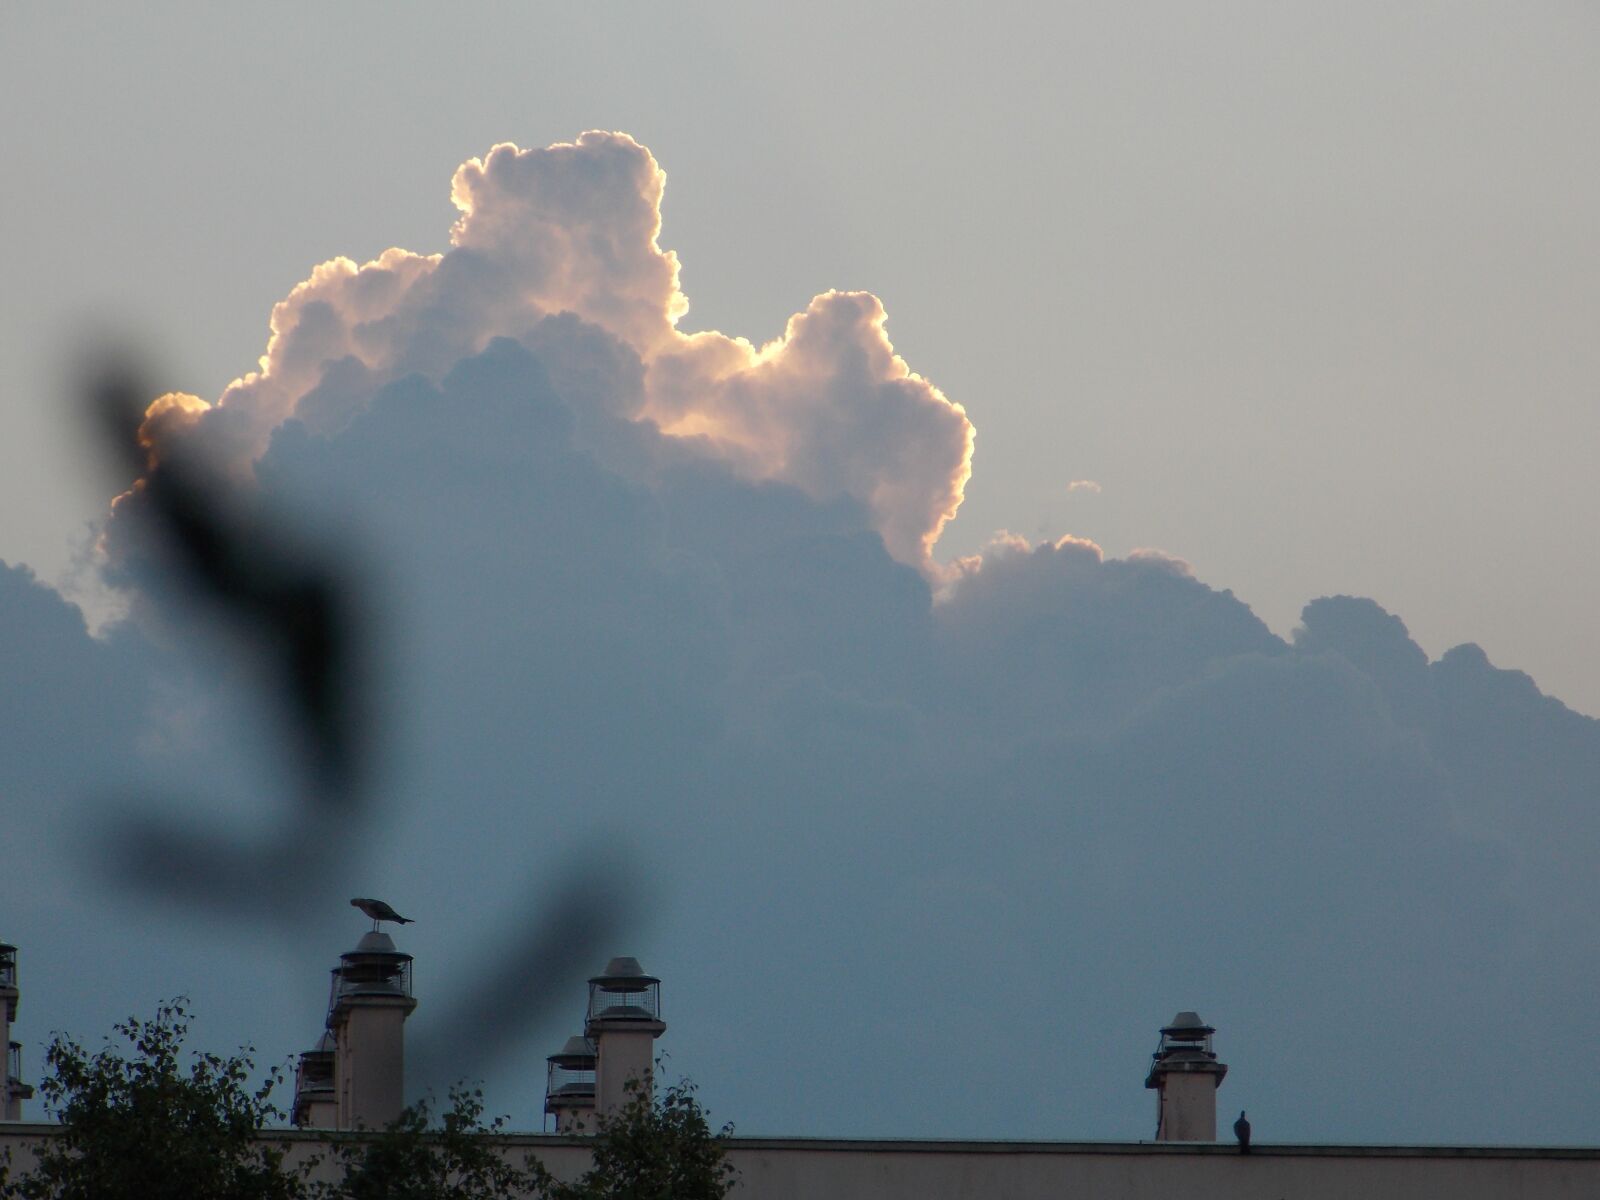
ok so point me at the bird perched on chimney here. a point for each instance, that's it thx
(379, 911)
(1241, 1130)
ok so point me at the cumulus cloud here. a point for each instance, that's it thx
(572, 229)
(673, 592)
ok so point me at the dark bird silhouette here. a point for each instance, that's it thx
(292, 611)
(294, 606)
(379, 911)
(297, 609)
(1241, 1130)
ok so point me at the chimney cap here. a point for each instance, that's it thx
(624, 971)
(1187, 1026)
(577, 1052)
(375, 946)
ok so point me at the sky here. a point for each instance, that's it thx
(954, 537)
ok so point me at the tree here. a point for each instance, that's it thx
(144, 1128)
(140, 1126)
(410, 1161)
(654, 1149)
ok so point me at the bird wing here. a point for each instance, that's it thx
(379, 910)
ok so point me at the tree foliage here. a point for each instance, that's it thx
(149, 1123)
(143, 1126)
(654, 1148)
(409, 1160)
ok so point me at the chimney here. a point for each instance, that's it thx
(366, 1014)
(316, 1101)
(623, 1022)
(12, 1090)
(569, 1086)
(1185, 1074)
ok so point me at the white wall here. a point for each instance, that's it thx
(792, 1169)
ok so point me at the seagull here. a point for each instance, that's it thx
(1241, 1130)
(379, 911)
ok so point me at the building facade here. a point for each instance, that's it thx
(352, 1079)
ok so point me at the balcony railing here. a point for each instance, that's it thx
(394, 979)
(569, 1081)
(632, 1004)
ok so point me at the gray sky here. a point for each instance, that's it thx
(1305, 292)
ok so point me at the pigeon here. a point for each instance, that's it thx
(1241, 1130)
(379, 911)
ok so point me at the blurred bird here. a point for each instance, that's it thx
(1241, 1130)
(379, 911)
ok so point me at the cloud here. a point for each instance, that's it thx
(1084, 485)
(73, 707)
(671, 593)
(571, 230)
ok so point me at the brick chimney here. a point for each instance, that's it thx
(1185, 1074)
(12, 1090)
(624, 1021)
(367, 1014)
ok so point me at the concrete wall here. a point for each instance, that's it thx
(621, 1056)
(1187, 1111)
(369, 1078)
(788, 1170)
(796, 1168)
